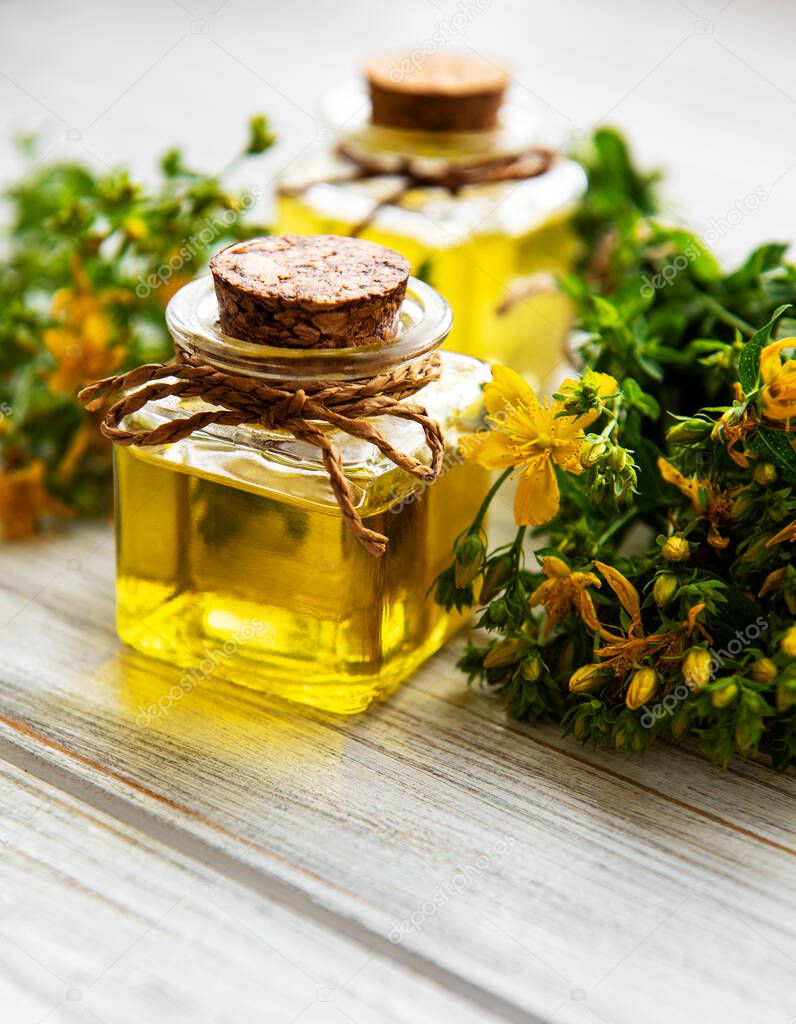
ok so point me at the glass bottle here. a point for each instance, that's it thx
(233, 559)
(492, 248)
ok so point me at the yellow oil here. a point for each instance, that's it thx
(499, 314)
(271, 590)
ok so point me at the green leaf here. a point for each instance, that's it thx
(749, 359)
(640, 399)
(606, 313)
(781, 449)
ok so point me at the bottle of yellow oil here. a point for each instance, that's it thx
(234, 557)
(434, 161)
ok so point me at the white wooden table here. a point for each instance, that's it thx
(237, 860)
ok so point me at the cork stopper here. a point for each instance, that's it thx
(309, 291)
(445, 92)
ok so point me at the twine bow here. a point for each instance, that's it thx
(346, 405)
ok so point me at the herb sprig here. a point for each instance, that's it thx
(655, 597)
(89, 261)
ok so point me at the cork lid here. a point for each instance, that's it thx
(309, 291)
(454, 92)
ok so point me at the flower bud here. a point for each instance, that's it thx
(788, 643)
(531, 668)
(696, 667)
(786, 695)
(617, 459)
(625, 483)
(755, 552)
(680, 722)
(591, 452)
(443, 593)
(643, 685)
(765, 473)
(496, 576)
(664, 588)
(744, 735)
(688, 430)
(581, 728)
(586, 679)
(724, 695)
(504, 653)
(498, 612)
(469, 553)
(676, 549)
(763, 670)
(620, 739)
(742, 504)
(135, 228)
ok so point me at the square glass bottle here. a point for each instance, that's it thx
(435, 165)
(232, 549)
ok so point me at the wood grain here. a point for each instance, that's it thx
(554, 880)
(97, 919)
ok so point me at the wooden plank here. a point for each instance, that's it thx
(545, 876)
(97, 918)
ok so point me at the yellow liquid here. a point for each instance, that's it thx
(496, 317)
(272, 591)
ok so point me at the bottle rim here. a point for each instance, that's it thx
(424, 321)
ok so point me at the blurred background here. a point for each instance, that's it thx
(703, 88)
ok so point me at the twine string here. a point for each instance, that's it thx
(348, 406)
(453, 176)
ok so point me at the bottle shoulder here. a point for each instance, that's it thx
(322, 182)
(273, 462)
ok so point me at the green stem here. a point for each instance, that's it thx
(609, 428)
(727, 317)
(615, 527)
(489, 496)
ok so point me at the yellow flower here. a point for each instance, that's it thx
(706, 499)
(565, 591)
(81, 343)
(525, 434)
(733, 428)
(625, 648)
(81, 349)
(24, 500)
(779, 381)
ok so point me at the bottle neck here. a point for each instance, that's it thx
(192, 318)
(348, 109)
